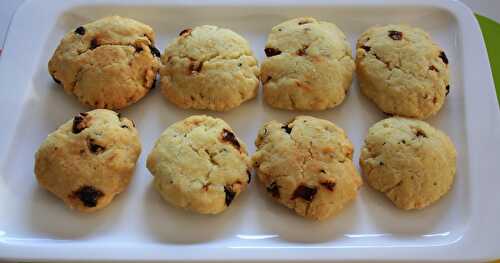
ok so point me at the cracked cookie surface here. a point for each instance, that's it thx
(402, 70)
(199, 164)
(109, 63)
(307, 166)
(89, 159)
(208, 67)
(308, 66)
(408, 160)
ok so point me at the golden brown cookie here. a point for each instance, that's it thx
(109, 63)
(89, 159)
(402, 70)
(306, 165)
(208, 67)
(408, 160)
(308, 66)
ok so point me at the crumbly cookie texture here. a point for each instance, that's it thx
(402, 70)
(208, 67)
(308, 66)
(307, 166)
(110, 63)
(89, 159)
(199, 164)
(408, 160)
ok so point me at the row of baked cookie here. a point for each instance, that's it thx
(112, 63)
(201, 165)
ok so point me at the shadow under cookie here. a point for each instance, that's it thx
(169, 224)
(279, 220)
(50, 217)
(399, 223)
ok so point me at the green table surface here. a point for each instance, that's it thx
(491, 34)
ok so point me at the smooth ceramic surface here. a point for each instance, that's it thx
(139, 225)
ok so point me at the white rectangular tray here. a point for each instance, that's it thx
(140, 226)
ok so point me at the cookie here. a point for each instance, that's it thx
(199, 164)
(409, 161)
(402, 70)
(308, 66)
(306, 165)
(89, 159)
(110, 63)
(209, 68)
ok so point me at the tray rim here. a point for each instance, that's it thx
(482, 116)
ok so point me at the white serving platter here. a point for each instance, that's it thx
(138, 225)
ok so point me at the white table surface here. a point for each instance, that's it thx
(489, 8)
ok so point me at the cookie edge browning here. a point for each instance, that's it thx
(104, 198)
(60, 56)
(272, 188)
